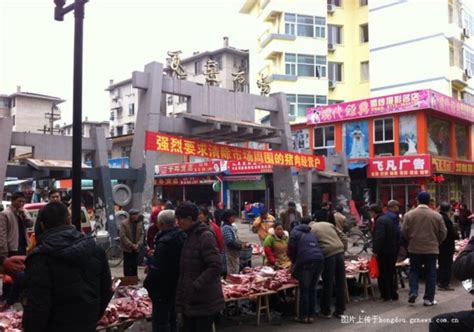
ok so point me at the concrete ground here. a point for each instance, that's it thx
(362, 314)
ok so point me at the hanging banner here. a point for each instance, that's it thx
(243, 167)
(184, 146)
(401, 166)
(186, 181)
(189, 168)
(453, 166)
(384, 105)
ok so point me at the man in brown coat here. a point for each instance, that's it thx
(199, 296)
(291, 217)
(14, 222)
(131, 239)
(424, 230)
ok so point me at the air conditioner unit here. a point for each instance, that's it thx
(466, 32)
(331, 8)
(332, 84)
(331, 47)
(468, 72)
(385, 155)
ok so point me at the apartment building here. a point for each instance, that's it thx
(87, 127)
(332, 51)
(30, 113)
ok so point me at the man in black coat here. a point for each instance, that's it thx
(68, 283)
(162, 277)
(385, 247)
(446, 251)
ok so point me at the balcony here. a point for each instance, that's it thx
(458, 77)
(268, 37)
(269, 11)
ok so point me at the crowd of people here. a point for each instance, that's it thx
(191, 249)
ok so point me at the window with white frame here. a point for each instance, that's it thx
(324, 142)
(131, 109)
(299, 103)
(468, 21)
(468, 60)
(305, 65)
(364, 71)
(305, 25)
(335, 71)
(130, 128)
(335, 34)
(383, 137)
(290, 24)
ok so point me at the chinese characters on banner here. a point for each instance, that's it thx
(243, 167)
(402, 166)
(453, 166)
(178, 145)
(191, 180)
(397, 103)
(191, 168)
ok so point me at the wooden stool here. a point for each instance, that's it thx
(263, 303)
(364, 279)
(348, 297)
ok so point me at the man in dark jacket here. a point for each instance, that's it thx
(323, 213)
(308, 261)
(385, 248)
(68, 283)
(446, 251)
(463, 269)
(199, 295)
(162, 277)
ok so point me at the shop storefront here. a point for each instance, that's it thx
(196, 189)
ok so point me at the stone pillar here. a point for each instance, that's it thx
(6, 125)
(285, 182)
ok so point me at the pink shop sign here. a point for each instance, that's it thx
(384, 105)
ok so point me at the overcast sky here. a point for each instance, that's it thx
(120, 36)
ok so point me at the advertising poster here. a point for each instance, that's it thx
(300, 139)
(408, 135)
(357, 139)
(438, 137)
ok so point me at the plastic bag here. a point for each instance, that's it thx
(373, 268)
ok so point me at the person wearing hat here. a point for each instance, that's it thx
(446, 250)
(290, 217)
(424, 230)
(131, 240)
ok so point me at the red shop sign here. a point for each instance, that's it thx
(243, 167)
(401, 166)
(190, 168)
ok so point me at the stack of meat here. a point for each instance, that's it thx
(354, 266)
(10, 321)
(130, 303)
(255, 281)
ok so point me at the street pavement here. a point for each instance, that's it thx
(361, 314)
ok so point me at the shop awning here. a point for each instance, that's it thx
(330, 174)
(361, 164)
(242, 178)
(16, 182)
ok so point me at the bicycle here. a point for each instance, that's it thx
(114, 253)
(359, 241)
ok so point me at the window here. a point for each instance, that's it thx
(119, 113)
(363, 3)
(131, 128)
(126, 151)
(320, 27)
(290, 64)
(467, 98)
(14, 119)
(112, 117)
(383, 136)
(454, 93)
(198, 67)
(469, 60)
(119, 131)
(243, 63)
(299, 103)
(335, 34)
(13, 102)
(332, 101)
(364, 33)
(335, 71)
(292, 104)
(217, 59)
(169, 100)
(304, 25)
(290, 24)
(461, 141)
(131, 109)
(337, 3)
(305, 65)
(364, 71)
(182, 99)
(468, 21)
(324, 141)
(439, 137)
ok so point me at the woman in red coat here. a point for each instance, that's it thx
(205, 216)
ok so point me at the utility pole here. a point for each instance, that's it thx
(51, 117)
(59, 12)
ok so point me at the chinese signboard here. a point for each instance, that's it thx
(191, 168)
(242, 167)
(402, 166)
(397, 103)
(178, 145)
(453, 166)
(190, 180)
